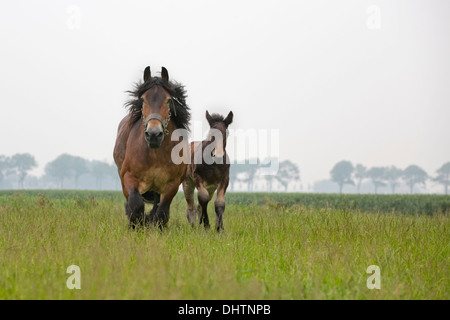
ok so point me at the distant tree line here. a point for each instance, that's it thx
(19, 165)
(344, 173)
(270, 175)
(64, 172)
(73, 172)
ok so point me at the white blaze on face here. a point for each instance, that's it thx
(214, 151)
(218, 151)
(217, 145)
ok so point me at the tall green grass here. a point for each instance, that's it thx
(270, 250)
(416, 204)
(377, 203)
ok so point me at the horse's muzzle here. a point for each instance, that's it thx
(154, 137)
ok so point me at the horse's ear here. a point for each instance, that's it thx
(147, 74)
(209, 118)
(229, 119)
(164, 74)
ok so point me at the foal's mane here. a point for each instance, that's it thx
(217, 118)
(180, 111)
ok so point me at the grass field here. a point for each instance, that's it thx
(274, 247)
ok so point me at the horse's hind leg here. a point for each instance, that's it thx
(152, 197)
(188, 190)
(151, 215)
(163, 212)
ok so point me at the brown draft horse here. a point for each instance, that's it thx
(208, 178)
(143, 147)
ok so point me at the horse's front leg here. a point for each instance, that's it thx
(219, 205)
(162, 214)
(134, 208)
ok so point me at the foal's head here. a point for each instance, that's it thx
(218, 128)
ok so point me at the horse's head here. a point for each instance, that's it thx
(156, 102)
(217, 122)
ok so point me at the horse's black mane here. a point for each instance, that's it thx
(180, 114)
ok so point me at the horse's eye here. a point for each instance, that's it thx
(169, 101)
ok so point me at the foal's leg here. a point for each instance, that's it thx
(203, 199)
(204, 196)
(188, 189)
(219, 205)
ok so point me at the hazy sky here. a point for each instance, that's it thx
(365, 81)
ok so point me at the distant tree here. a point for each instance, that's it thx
(341, 174)
(100, 170)
(235, 171)
(270, 177)
(393, 175)
(67, 166)
(60, 168)
(414, 175)
(5, 165)
(114, 175)
(251, 168)
(78, 166)
(378, 176)
(21, 163)
(443, 176)
(359, 174)
(287, 172)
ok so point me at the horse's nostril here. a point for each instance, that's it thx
(153, 134)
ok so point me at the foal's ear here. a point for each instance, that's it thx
(229, 119)
(209, 118)
(147, 74)
(164, 74)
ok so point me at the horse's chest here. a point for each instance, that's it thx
(154, 179)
